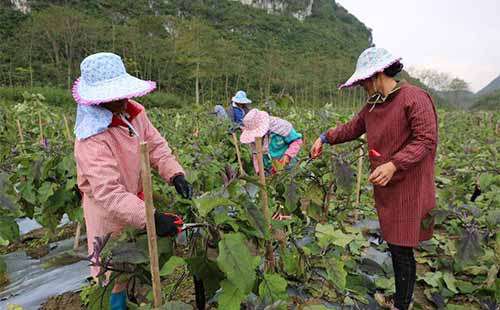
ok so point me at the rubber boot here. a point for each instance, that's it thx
(118, 301)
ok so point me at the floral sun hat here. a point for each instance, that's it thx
(104, 79)
(373, 60)
(241, 97)
(255, 124)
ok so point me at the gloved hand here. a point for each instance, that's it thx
(168, 224)
(285, 160)
(282, 163)
(183, 187)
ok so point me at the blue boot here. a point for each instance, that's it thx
(118, 301)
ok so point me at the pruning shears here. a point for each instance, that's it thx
(187, 226)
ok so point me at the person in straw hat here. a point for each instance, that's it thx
(281, 143)
(109, 128)
(400, 122)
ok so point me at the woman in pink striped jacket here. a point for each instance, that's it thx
(400, 122)
(109, 129)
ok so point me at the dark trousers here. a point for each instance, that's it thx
(405, 272)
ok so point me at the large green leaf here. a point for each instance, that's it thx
(469, 245)
(291, 197)
(231, 296)
(465, 287)
(128, 253)
(171, 264)
(28, 192)
(327, 235)
(344, 174)
(432, 278)
(9, 230)
(45, 191)
(450, 282)
(256, 220)
(273, 288)
(292, 262)
(236, 261)
(387, 284)
(336, 273)
(208, 272)
(207, 204)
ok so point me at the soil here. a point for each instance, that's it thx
(66, 301)
(37, 252)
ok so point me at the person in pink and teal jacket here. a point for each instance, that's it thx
(281, 142)
(109, 128)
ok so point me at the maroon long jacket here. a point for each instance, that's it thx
(403, 130)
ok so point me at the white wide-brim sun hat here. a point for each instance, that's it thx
(104, 79)
(241, 97)
(255, 125)
(371, 61)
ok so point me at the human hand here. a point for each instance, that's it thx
(382, 174)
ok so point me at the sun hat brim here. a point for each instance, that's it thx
(361, 75)
(122, 87)
(242, 101)
(248, 136)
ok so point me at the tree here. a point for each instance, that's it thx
(195, 41)
(432, 78)
(458, 88)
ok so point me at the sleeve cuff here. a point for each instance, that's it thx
(323, 138)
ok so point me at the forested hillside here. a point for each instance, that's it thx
(224, 45)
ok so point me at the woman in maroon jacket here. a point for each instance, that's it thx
(400, 122)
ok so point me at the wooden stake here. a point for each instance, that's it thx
(358, 183)
(78, 230)
(150, 224)
(41, 126)
(238, 154)
(68, 132)
(20, 130)
(265, 202)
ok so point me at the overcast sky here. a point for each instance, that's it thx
(461, 37)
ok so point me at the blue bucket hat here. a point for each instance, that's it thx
(373, 60)
(241, 97)
(105, 79)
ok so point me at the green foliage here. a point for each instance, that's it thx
(223, 45)
(171, 264)
(273, 288)
(327, 235)
(490, 101)
(319, 253)
(235, 260)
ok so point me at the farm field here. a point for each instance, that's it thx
(329, 254)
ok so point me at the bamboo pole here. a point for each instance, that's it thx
(68, 132)
(150, 224)
(238, 154)
(40, 126)
(358, 183)
(78, 231)
(265, 202)
(20, 130)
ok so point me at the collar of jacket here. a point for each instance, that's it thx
(389, 96)
(133, 109)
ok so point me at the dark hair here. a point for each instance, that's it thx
(393, 69)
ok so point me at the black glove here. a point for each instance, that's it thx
(183, 187)
(167, 224)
